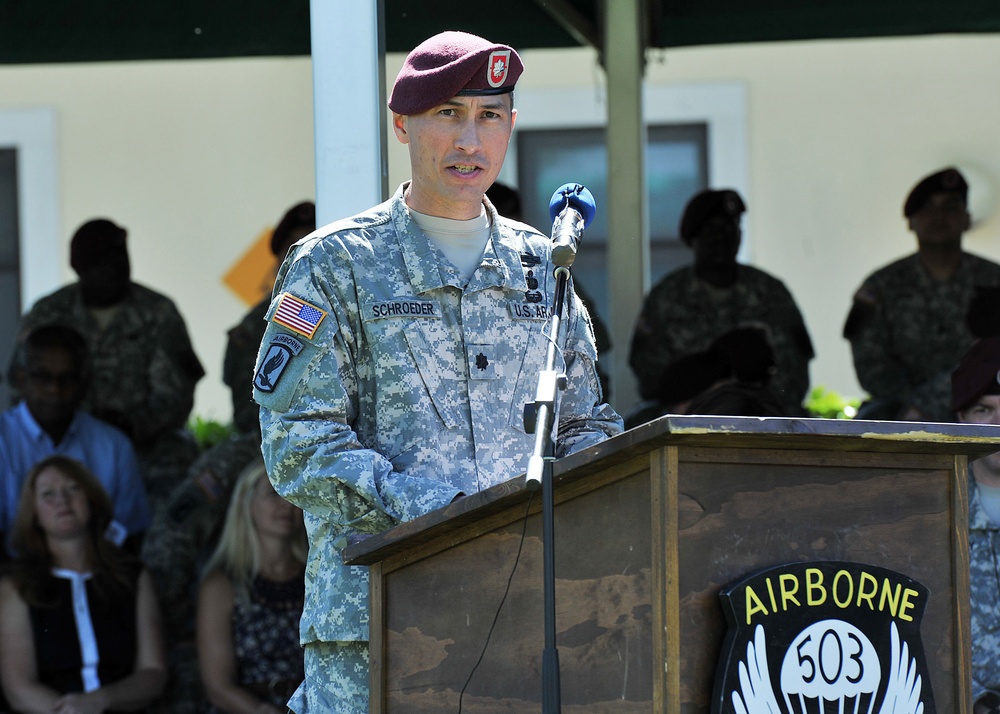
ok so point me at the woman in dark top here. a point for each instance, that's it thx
(250, 602)
(78, 616)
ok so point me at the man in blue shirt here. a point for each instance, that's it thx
(50, 372)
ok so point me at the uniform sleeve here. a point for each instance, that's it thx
(584, 417)
(308, 388)
(174, 370)
(793, 351)
(653, 347)
(879, 372)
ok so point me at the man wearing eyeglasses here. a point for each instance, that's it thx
(50, 373)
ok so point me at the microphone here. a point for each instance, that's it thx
(571, 209)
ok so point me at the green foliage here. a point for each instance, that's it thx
(827, 404)
(208, 432)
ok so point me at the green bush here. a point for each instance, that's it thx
(827, 404)
(208, 432)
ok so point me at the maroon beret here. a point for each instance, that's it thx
(977, 374)
(708, 204)
(453, 64)
(946, 180)
(94, 241)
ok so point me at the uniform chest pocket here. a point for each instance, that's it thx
(416, 360)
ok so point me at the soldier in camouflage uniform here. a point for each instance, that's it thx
(143, 368)
(402, 345)
(907, 325)
(244, 339)
(693, 306)
(976, 400)
(177, 542)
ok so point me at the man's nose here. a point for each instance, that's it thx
(468, 137)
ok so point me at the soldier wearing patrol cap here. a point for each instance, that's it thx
(691, 307)
(401, 346)
(907, 325)
(976, 400)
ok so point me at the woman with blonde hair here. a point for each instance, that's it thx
(251, 599)
(78, 616)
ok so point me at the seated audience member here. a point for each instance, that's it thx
(244, 339)
(908, 324)
(174, 548)
(251, 600)
(976, 400)
(143, 368)
(691, 307)
(50, 372)
(79, 619)
(734, 373)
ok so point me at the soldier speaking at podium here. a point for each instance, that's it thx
(401, 347)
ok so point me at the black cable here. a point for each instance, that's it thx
(496, 617)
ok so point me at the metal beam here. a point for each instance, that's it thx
(628, 222)
(573, 22)
(348, 60)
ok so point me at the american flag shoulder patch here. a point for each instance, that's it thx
(298, 315)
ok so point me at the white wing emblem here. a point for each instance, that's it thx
(903, 693)
(755, 695)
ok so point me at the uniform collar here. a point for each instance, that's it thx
(500, 265)
(978, 520)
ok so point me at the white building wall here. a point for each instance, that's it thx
(196, 158)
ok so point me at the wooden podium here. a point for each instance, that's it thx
(649, 527)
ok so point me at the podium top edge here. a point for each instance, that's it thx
(779, 433)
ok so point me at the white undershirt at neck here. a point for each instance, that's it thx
(989, 499)
(462, 242)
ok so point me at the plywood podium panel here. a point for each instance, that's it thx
(649, 527)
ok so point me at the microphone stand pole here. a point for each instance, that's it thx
(541, 419)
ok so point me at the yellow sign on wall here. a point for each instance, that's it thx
(252, 276)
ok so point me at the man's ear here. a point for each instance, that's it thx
(399, 128)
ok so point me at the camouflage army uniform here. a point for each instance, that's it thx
(175, 547)
(237, 365)
(409, 393)
(908, 332)
(984, 581)
(683, 315)
(143, 375)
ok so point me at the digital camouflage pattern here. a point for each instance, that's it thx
(411, 390)
(337, 673)
(984, 583)
(143, 368)
(683, 315)
(177, 544)
(908, 333)
(143, 376)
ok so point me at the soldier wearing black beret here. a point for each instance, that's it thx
(243, 339)
(908, 323)
(693, 306)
